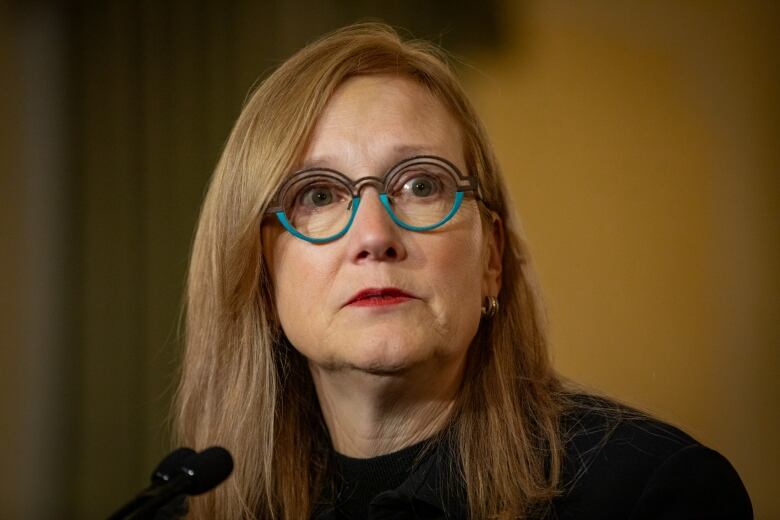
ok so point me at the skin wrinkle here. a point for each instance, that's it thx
(399, 152)
(385, 377)
(394, 415)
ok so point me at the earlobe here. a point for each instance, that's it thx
(494, 256)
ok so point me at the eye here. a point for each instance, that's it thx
(317, 196)
(421, 186)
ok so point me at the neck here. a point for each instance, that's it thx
(370, 414)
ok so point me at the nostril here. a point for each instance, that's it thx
(389, 253)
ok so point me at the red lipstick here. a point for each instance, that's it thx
(374, 297)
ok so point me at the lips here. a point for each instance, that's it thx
(380, 296)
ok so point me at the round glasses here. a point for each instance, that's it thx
(420, 194)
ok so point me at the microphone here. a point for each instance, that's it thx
(171, 464)
(162, 473)
(179, 473)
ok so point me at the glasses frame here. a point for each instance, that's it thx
(465, 183)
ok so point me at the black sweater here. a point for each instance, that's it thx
(618, 464)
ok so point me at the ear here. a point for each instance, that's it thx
(493, 258)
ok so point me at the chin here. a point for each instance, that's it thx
(381, 369)
(384, 357)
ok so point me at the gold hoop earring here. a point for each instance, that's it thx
(490, 308)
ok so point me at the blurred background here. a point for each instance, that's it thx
(640, 140)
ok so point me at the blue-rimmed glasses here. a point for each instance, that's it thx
(420, 194)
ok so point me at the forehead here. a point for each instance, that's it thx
(372, 122)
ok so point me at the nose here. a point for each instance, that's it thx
(373, 234)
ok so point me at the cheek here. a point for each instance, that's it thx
(301, 284)
(458, 269)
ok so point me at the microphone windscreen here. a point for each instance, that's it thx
(208, 469)
(171, 464)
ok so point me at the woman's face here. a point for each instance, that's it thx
(370, 124)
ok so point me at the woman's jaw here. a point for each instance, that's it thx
(374, 413)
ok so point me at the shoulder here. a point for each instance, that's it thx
(621, 463)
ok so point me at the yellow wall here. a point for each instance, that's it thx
(639, 142)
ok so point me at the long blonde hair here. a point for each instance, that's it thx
(243, 387)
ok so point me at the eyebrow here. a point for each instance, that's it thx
(399, 153)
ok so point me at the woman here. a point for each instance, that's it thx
(363, 329)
